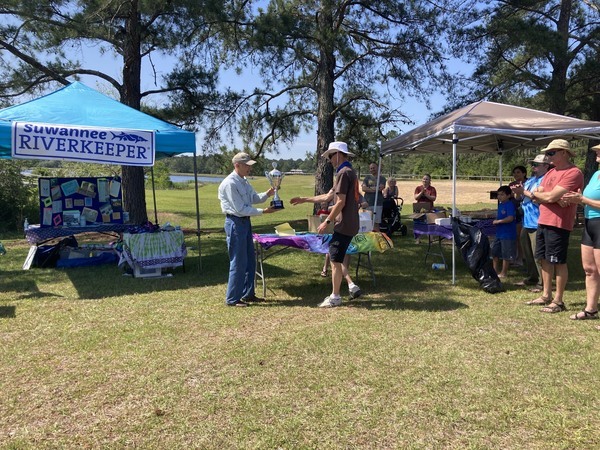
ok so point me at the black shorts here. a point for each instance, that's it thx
(591, 233)
(551, 244)
(337, 246)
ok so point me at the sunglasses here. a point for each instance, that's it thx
(332, 155)
(553, 152)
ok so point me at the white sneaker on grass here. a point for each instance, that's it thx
(355, 291)
(330, 302)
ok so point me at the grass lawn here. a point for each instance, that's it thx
(92, 359)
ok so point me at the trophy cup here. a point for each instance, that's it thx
(275, 177)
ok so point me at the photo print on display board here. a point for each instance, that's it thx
(69, 188)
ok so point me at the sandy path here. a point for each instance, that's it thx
(467, 192)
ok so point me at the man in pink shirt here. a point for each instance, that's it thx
(556, 221)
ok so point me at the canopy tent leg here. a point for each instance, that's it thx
(154, 196)
(454, 214)
(377, 191)
(197, 213)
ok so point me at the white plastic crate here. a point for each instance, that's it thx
(140, 272)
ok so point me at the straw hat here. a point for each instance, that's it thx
(595, 147)
(559, 144)
(335, 147)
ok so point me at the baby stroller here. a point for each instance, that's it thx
(391, 218)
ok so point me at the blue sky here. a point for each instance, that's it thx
(415, 110)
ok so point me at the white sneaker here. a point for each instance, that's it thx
(355, 291)
(330, 302)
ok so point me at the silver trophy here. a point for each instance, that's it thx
(275, 177)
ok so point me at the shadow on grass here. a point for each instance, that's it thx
(25, 284)
(376, 296)
(8, 312)
(431, 305)
(97, 282)
(110, 281)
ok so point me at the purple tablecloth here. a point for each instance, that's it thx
(36, 234)
(319, 243)
(445, 231)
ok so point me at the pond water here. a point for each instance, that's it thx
(203, 179)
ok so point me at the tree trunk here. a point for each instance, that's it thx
(325, 112)
(134, 193)
(557, 91)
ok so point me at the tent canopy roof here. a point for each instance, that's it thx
(77, 104)
(487, 127)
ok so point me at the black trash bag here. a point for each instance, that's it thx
(474, 247)
(48, 255)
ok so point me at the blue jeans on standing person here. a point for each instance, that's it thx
(242, 259)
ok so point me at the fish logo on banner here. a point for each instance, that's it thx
(85, 144)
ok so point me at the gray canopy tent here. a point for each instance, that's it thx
(487, 127)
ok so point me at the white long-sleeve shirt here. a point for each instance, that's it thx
(237, 196)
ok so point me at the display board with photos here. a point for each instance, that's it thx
(73, 202)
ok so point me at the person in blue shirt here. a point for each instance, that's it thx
(531, 213)
(505, 245)
(590, 241)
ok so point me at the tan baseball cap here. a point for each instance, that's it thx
(539, 159)
(243, 158)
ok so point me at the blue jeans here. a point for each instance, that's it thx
(242, 259)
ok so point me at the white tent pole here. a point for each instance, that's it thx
(377, 190)
(454, 214)
(500, 168)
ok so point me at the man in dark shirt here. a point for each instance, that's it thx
(344, 212)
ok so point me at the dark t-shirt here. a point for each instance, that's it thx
(347, 222)
(370, 181)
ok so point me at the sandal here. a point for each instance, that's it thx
(587, 315)
(541, 300)
(552, 308)
(324, 273)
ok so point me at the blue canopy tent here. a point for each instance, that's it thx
(79, 105)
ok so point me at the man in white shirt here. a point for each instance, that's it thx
(237, 197)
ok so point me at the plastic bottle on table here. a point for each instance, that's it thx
(26, 224)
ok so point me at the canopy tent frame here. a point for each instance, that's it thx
(487, 127)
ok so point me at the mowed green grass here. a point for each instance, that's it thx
(92, 359)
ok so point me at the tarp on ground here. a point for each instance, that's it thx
(79, 105)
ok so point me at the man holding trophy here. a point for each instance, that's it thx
(344, 212)
(237, 197)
